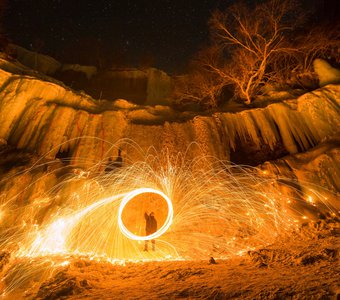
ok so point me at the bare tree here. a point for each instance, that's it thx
(256, 46)
(203, 84)
(296, 67)
(197, 88)
(251, 39)
(318, 42)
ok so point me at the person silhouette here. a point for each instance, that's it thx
(114, 164)
(150, 228)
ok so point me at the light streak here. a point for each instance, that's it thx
(160, 231)
(53, 239)
(212, 209)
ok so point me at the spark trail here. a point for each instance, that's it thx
(204, 207)
(52, 240)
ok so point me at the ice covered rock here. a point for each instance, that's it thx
(159, 86)
(313, 173)
(149, 87)
(123, 104)
(40, 116)
(89, 71)
(326, 73)
(42, 63)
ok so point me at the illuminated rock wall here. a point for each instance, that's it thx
(300, 123)
(159, 87)
(315, 173)
(150, 86)
(42, 63)
(46, 118)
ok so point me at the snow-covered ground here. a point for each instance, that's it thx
(304, 265)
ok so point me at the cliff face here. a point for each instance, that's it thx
(149, 86)
(42, 63)
(49, 119)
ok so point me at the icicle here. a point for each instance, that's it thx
(37, 115)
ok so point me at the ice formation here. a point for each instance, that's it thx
(40, 62)
(148, 86)
(39, 116)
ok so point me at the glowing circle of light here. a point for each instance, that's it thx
(156, 234)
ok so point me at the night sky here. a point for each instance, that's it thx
(168, 31)
(165, 32)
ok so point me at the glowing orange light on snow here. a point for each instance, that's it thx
(221, 210)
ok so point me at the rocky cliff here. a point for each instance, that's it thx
(48, 118)
(147, 86)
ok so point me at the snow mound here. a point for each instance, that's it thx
(326, 73)
(302, 266)
(303, 253)
(62, 285)
(123, 104)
